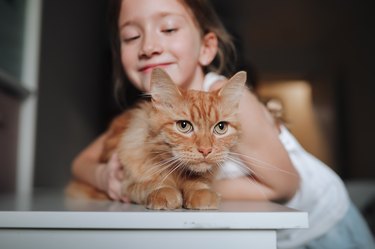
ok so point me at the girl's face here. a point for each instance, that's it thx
(161, 33)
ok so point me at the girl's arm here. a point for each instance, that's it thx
(87, 168)
(273, 176)
(86, 165)
(263, 152)
(242, 188)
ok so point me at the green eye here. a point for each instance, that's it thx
(184, 126)
(221, 128)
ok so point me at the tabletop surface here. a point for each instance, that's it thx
(50, 209)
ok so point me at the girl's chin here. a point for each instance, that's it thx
(143, 80)
(146, 84)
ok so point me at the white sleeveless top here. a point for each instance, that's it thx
(321, 193)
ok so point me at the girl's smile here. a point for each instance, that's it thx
(148, 67)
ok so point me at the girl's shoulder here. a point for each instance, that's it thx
(213, 81)
(257, 110)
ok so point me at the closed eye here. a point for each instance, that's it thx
(169, 31)
(133, 38)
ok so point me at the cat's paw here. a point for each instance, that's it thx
(202, 199)
(164, 199)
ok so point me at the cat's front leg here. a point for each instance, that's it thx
(201, 199)
(154, 196)
(164, 198)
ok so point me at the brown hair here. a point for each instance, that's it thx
(207, 21)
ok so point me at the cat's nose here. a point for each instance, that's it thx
(205, 151)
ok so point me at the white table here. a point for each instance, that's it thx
(48, 220)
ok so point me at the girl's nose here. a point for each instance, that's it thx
(150, 46)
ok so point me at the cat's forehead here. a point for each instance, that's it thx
(204, 106)
(200, 95)
(201, 100)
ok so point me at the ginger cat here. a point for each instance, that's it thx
(172, 146)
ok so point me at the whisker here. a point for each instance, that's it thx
(253, 181)
(140, 142)
(175, 167)
(184, 169)
(160, 167)
(211, 172)
(259, 163)
(249, 177)
(241, 164)
(159, 155)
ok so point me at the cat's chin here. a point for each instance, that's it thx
(201, 167)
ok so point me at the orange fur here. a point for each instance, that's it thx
(78, 189)
(166, 167)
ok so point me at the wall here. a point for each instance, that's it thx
(330, 44)
(74, 84)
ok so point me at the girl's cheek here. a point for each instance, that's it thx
(126, 59)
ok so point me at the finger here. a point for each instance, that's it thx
(125, 199)
(119, 174)
(113, 196)
(114, 189)
(113, 162)
(113, 171)
(114, 157)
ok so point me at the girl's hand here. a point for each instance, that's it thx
(109, 177)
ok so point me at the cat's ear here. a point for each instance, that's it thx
(232, 91)
(163, 89)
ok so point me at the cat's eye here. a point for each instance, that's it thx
(184, 126)
(221, 128)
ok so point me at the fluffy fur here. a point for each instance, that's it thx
(172, 146)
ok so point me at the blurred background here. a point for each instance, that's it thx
(56, 92)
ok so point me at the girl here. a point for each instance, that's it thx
(186, 39)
